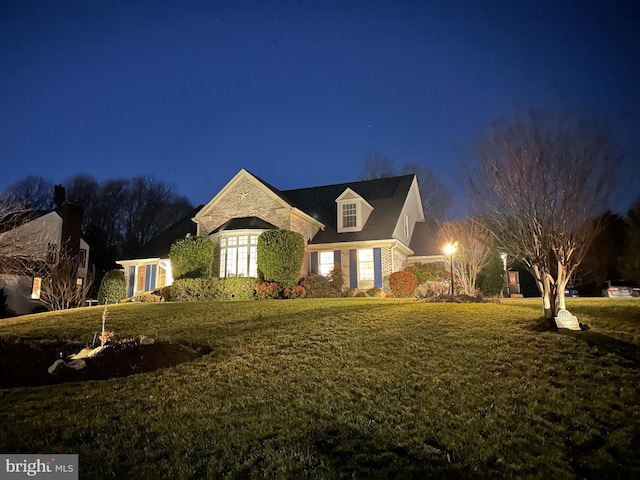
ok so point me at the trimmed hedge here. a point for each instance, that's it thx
(113, 287)
(280, 256)
(192, 257)
(211, 289)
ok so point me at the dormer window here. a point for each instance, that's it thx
(353, 211)
(349, 215)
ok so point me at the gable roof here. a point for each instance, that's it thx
(160, 245)
(386, 195)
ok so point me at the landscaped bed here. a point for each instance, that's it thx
(342, 387)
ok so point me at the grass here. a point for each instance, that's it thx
(346, 387)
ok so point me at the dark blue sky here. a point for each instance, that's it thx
(296, 92)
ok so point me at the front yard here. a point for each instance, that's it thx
(335, 388)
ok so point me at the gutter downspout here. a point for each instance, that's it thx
(393, 263)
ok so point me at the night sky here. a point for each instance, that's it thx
(298, 93)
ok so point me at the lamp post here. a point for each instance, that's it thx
(505, 286)
(450, 249)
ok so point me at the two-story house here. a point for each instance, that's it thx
(31, 242)
(367, 228)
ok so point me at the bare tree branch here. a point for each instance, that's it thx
(377, 165)
(542, 185)
(473, 248)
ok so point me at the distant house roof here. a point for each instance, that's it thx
(160, 245)
(244, 223)
(14, 220)
(386, 196)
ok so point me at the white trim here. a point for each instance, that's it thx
(360, 244)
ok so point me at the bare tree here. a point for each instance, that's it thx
(473, 244)
(377, 165)
(149, 208)
(436, 196)
(61, 288)
(84, 190)
(601, 259)
(542, 185)
(32, 192)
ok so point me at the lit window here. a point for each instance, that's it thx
(36, 288)
(239, 256)
(406, 225)
(349, 216)
(365, 264)
(326, 263)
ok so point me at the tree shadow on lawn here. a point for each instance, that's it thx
(25, 363)
(629, 352)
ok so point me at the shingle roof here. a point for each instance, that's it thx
(159, 246)
(424, 242)
(385, 195)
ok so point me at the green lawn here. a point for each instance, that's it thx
(346, 387)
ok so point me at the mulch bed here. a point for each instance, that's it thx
(25, 363)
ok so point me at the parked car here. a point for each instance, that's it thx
(570, 291)
(620, 289)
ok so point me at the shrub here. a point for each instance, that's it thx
(147, 297)
(211, 289)
(267, 291)
(113, 287)
(374, 292)
(432, 289)
(402, 283)
(243, 288)
(164, 292)
(318, 286)
(192, 257)
(280, 256)
(491, 279)
(297, 291)
(428, 272)
(336, 278)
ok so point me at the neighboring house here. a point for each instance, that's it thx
(37, 238)
(149, 267)
(368, 228)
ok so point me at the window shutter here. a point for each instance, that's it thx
(147, 278)
(337, 258)
(353, 269)
(132, 281)
(377, 267)
(314, 263)
(152, 282)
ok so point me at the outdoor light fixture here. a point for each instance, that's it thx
(450, 249)
(505, 286)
